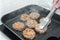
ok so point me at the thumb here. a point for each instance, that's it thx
(55, 1)
(57, 5)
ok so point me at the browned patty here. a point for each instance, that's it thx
(41, 31)
(25, 17)
(32, 23)
(18, 26)
(34, 15)
(29, 33)
(41, 19)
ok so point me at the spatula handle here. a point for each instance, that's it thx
(51, 13)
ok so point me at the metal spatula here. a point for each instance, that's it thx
(47, 19)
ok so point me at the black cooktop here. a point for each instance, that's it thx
(8, 33)
(11, 35)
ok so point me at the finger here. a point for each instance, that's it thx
(57, 5)
(55, 1)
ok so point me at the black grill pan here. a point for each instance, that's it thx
(53, 28)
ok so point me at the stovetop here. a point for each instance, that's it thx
(8, 33)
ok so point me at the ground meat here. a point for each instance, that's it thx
(34, 15)
(32, 23)
(41, 31)
(25, 17)
(29, 33)
(18, 26)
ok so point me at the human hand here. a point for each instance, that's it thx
(56, 3)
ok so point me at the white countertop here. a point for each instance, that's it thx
(7, 6)
(3, 36)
